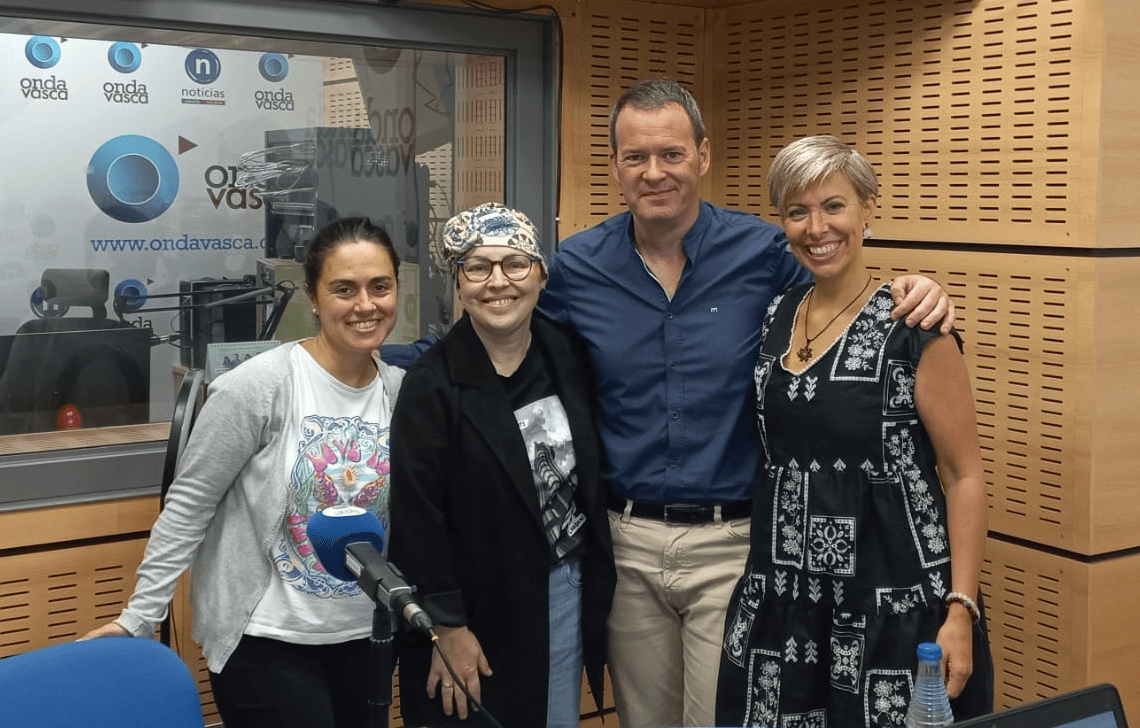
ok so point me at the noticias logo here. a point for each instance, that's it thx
(203, 66)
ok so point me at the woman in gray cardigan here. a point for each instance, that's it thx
(296, 429)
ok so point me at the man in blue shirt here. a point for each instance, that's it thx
(671, 296)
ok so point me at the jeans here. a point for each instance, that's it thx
(564, 691)
(267, 683)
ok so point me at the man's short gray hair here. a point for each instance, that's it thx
(655, 93)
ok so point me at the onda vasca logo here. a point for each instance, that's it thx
(132, 178)
(44, 89)
(125, 58)
(279, 100)
(274, 68)
(43, 52)
(131, 92)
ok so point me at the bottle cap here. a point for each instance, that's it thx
(929, 651)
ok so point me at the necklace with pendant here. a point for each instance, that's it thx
(804, 352)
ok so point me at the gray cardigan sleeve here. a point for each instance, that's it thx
(239, 419)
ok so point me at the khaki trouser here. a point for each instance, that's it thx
(667, 623)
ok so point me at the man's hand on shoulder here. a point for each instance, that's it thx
(922, 301)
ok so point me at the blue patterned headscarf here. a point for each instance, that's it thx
(490, 223)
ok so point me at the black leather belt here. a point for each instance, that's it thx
(682, 512)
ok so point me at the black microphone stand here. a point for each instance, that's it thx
(380, 649)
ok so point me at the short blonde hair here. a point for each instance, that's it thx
(812, 159)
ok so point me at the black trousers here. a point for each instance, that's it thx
(267, 683)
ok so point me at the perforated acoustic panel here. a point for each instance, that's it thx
(1024, 599)
(56, 596)
(343, 98)
(1016, 357)
(1031, 355)
(479, 127)
(975, 113)
(1057, 624)
(613, 44)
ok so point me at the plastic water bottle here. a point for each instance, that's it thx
(930, 705)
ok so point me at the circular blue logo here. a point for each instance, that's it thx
(124, 57)
(132, 178)
(133, 293)
(274, 67)
(42, 51)
(43, 309)
(203, 66)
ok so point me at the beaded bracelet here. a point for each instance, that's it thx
(967, 602)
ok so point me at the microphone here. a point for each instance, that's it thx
(349, 542)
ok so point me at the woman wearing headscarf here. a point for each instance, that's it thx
(498, 497)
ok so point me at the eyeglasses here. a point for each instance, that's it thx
(516, 267)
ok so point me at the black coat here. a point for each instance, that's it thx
(465, 521)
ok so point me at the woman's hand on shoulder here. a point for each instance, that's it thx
(956, 637)
(111, 629)
(466, 656)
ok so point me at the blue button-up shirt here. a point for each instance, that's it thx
(675, 375)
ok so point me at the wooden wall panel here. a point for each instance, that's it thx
(1113, 455)
(68, 523)
(479, 130)
(1027, 611)
(1034, 359)
(1118, 124)
(1056, 624)
(68, 569)
(190, 652)
(975, 113)
(611, 44)
(56, 596)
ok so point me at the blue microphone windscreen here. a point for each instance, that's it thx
(334, 528)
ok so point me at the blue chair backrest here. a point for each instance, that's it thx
(114, 682)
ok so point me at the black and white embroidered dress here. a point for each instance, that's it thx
(850, 555)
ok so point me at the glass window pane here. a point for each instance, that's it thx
(158, 185)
